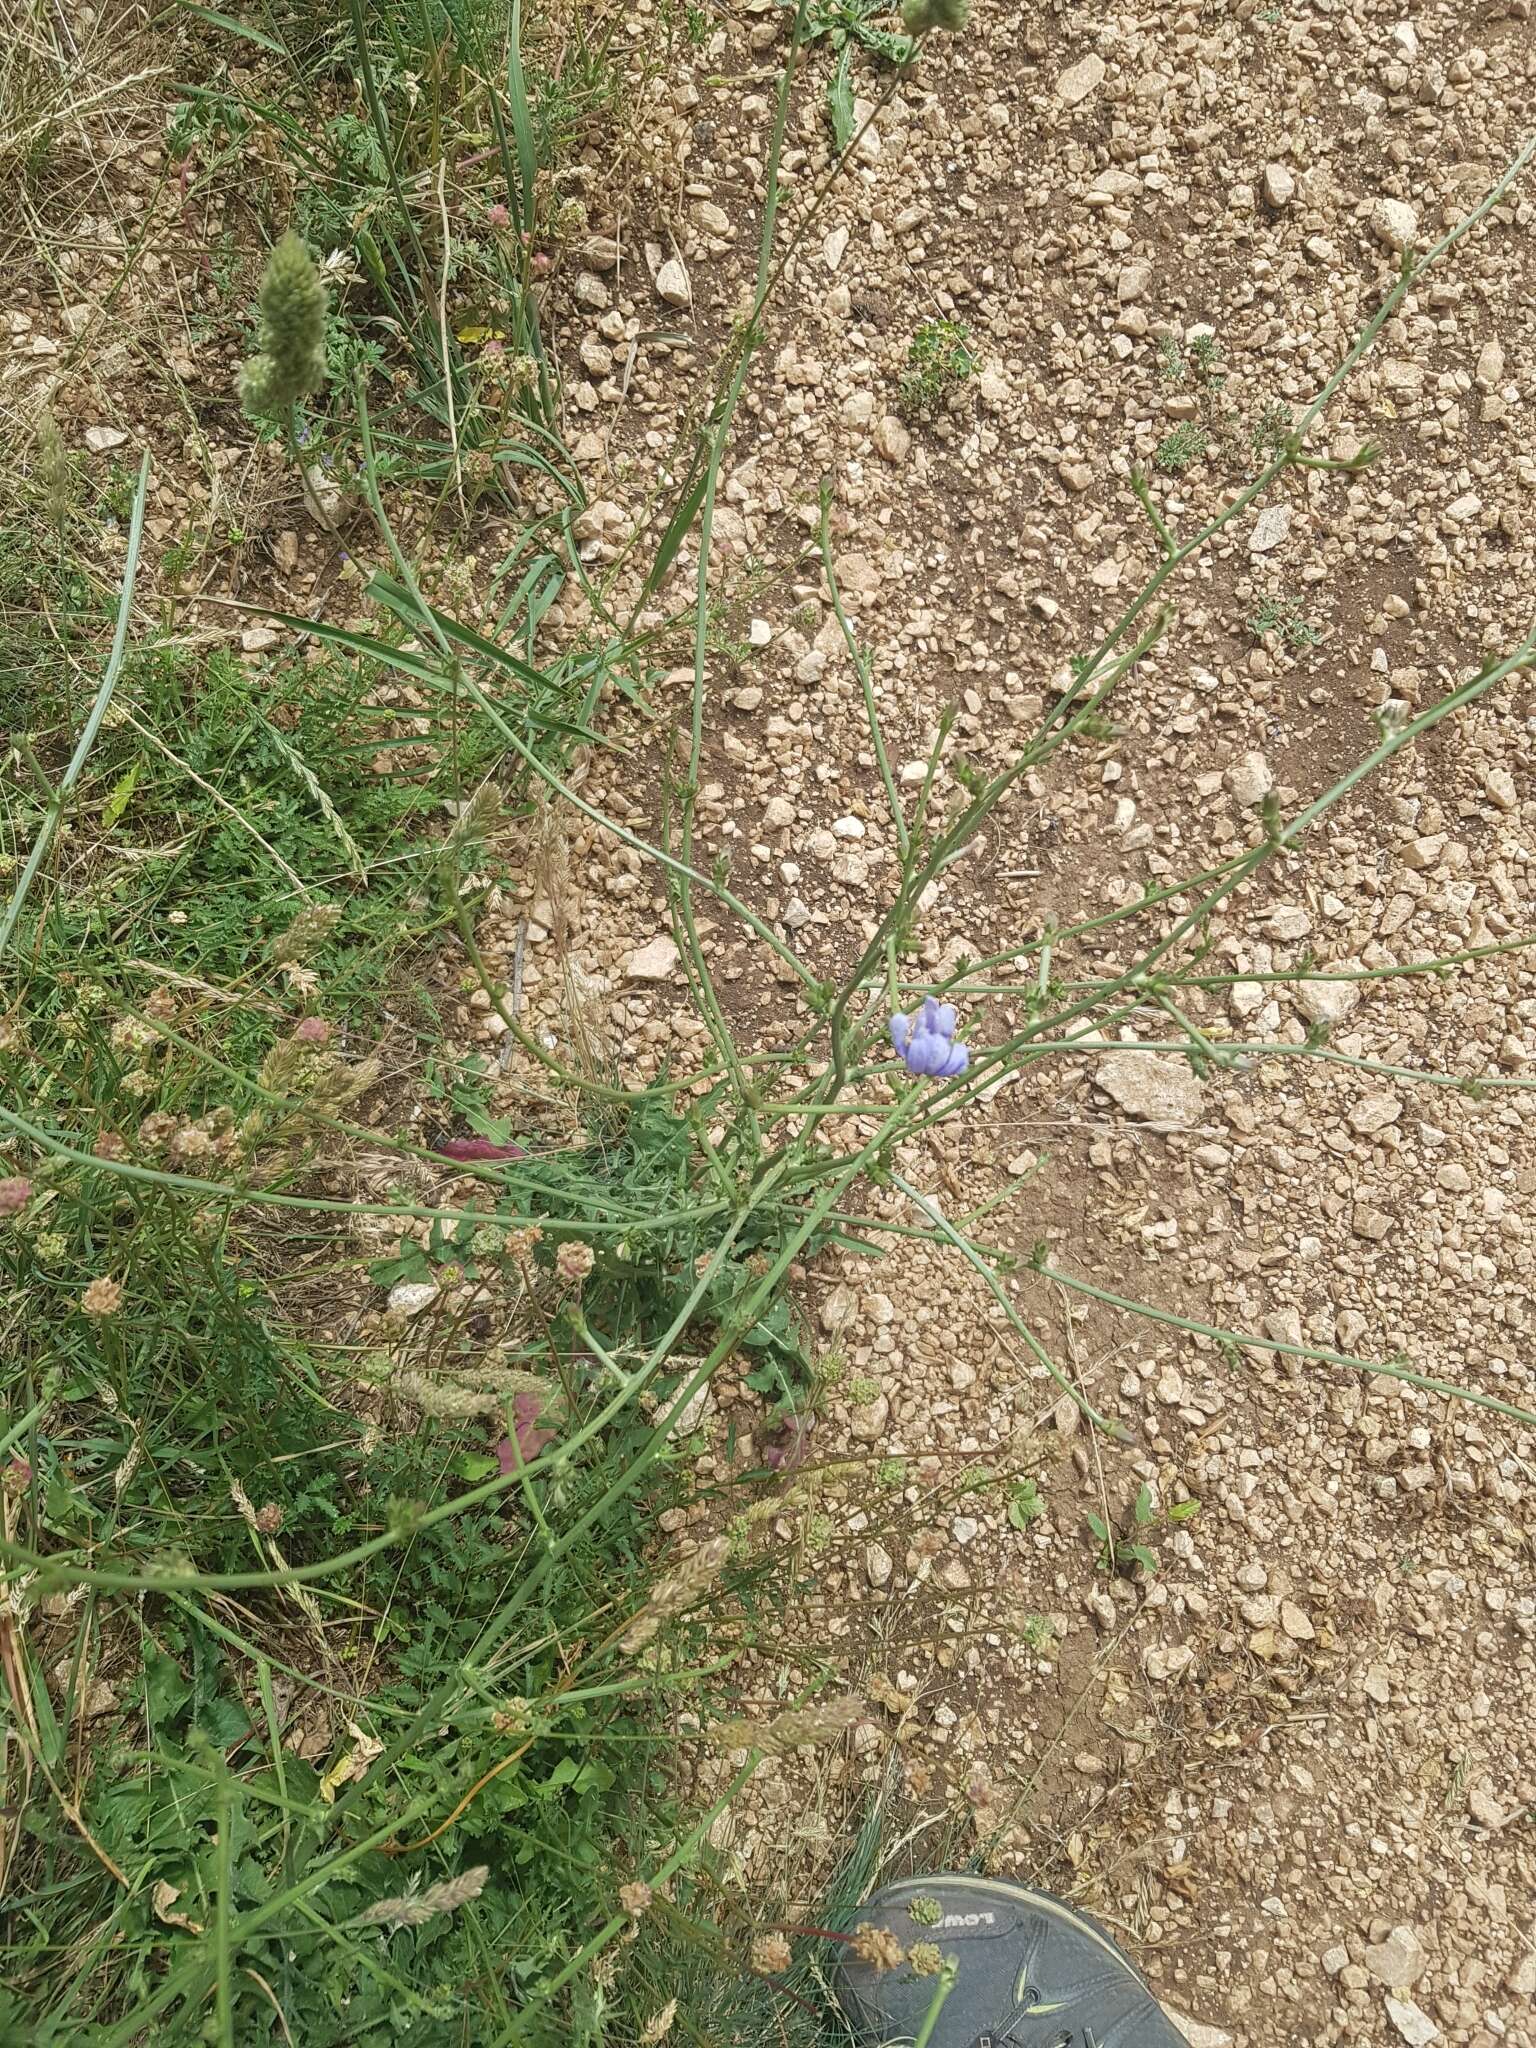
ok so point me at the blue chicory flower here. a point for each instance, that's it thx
(926, 1041)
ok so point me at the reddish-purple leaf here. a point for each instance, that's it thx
(478, 1148)
(792, 1445)
(531, 1434)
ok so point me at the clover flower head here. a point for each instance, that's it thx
(103, 1296)
(574, 1261)
(878, 1947)
(770, 1955)
(926, 1041)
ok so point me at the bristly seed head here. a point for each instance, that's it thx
(414, 1909)
(796, 1727)
(674, 1595)
(919, 16)
(290, 333)
(55, 471)
(309, 931)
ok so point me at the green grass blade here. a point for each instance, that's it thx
(522, 120)
(230, 26)
(98, 712)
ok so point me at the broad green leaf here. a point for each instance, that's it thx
(117, 802)
(50, 1737)
(840, 100)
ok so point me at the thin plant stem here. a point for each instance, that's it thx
(973, 1258)
(861, 668)
(1381, 1368)
(951, 842)
(527, 754)
(271, 1198)
(1290, 454)
(941, 1991)
(1138, 978)
(700, 975)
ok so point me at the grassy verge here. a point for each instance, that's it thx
(220, 1011)
(362, 1714)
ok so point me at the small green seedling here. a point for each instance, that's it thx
(1120, 1551)
(1037, 1634)
(1285, 617)
(1195, 367)
(1024, 1504)
(1184, 446)
(939, 360)
(848, 25)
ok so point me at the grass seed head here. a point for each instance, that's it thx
(414, 1909)
(55, 471)
(919, 16)
(290, 332)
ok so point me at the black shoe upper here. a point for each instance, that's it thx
(1031, 1972)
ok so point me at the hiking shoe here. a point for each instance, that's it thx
(1033, 1973)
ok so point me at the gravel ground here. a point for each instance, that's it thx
(1294, 1766)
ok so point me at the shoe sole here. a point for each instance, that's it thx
(956, 1927)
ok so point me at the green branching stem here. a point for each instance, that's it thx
(698, 967)
(951, 842)
(994, 1286)
(1290, 455)
(863, 668)
(1441, 965)
(995, 1062)
(527, 754)
(237, 1196)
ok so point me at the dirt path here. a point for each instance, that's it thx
(1294, 1766)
